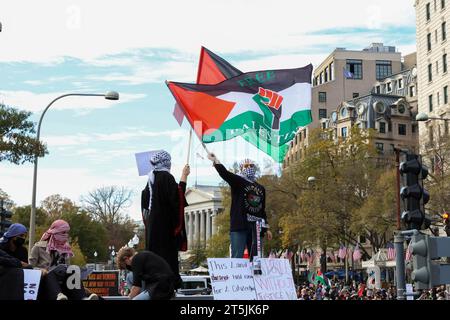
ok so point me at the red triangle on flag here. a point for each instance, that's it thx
(210, 112)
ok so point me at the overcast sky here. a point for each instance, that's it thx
(48, 48)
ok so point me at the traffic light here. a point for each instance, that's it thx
(5, 215)
(414, 194)
(427, 272)
(446, 221)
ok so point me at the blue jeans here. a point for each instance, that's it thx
(238, 241)
(144, 295)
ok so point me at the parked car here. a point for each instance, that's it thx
(195, 285)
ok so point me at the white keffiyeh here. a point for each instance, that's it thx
(160, 161)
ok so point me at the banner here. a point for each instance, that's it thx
(103, 283)
(31, 281)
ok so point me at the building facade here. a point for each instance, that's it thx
(433, 46)
(205, 203)
(344, 75)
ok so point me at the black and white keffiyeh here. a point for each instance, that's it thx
(160, 161)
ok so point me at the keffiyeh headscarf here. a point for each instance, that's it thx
(248, 170)
(57, 238)
(160, 161)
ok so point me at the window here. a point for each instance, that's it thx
(344, 132)
(444, 31)
(430, 102)
(446, 95)
(383, 69)
(402, 129)
(428, 11)
(400, 83)
(429, 41)
(355, 95)
(430, 72)
(322, 97)
(390, 126)
(332, 71)
(378, 89)
(355, 67)
(442, 4)
(380, 147)
(322, 114)
(324, 125)
(326, 74)
(412, 91)
(343, 112)
(389, 87)
(382, 127)
(444, 63)
(414, 128)
(321, 77)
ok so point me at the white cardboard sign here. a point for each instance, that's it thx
(31, 280)
(276, 281)
(231, 279)
(143, 162)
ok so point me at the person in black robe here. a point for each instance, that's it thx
(163, 204)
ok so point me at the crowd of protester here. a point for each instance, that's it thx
(359, 291)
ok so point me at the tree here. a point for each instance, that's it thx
(7, 202)
(78, 257)
(219, 244)
(107, 203)
(198, 255)
(91, 236)
(17, 141)
(56, 205)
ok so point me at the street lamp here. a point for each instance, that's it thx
(422, 117)
(113, 253)
(135, 240)
(95, 261)
(110, 95)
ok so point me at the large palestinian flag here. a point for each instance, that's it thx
(266, 106)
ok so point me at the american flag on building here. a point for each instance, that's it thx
(390, 251)
(408, 254)
(342, 252)
(357, 253)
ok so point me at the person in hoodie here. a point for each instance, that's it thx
(248, 203)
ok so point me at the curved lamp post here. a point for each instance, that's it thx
(422, 117)
(111, 95)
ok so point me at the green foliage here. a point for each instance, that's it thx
(78, 259)
(18, 143)
(198, 255)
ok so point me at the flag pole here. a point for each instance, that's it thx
(189, 146)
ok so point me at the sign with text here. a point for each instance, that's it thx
(231, 279)
(103, 283)
(143, 162)
(276, 281)
(31, 280)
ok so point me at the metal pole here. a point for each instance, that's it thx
(400, 266)
(397, 165)
(33, 197)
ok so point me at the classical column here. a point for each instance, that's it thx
(214, 226)
(197, 228)
(202, 227)
(191, 229)
(208, 224)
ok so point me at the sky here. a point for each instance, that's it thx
(49, 48)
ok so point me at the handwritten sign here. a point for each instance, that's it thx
(276, 281)
(231, 279)
(143, 162)
(103, 283)
(31, 280)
